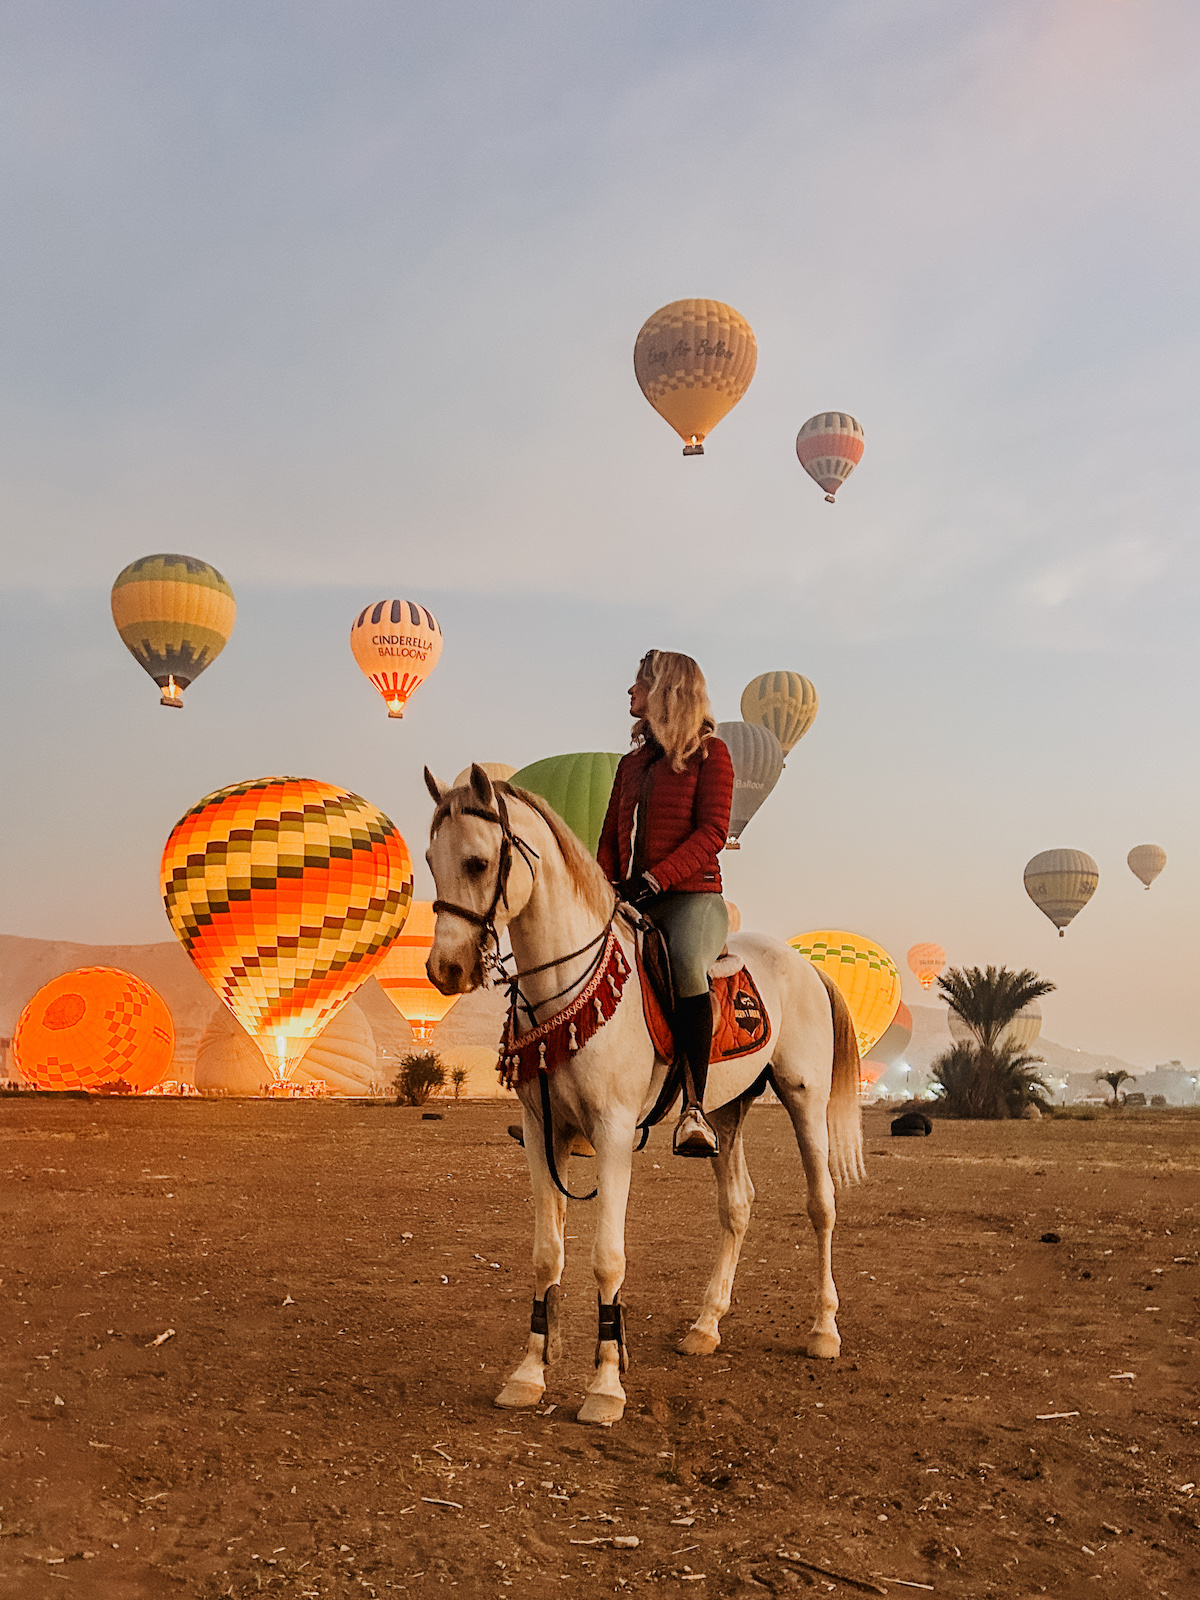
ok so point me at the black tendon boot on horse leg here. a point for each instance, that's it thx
(694, 1134)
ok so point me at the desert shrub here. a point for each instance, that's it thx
(990, 1084)
(421, 1072)
(458, 1078)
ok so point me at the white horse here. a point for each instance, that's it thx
(503, 860)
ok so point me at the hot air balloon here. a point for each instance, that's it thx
(397, 644)
(896, 1038)
(784, 702)
(1020, 1033)
(577, 786)
(286, 893)
(1060, 883)
(175, 615)
(497, 771)
(1146, 861)
(694, 360)
(94, 1026)
(402, 976)
(757, 758)
(867, 976)
(829, 446)
(342, 1058)
(864, 973)
(735, 917)
(925, 961)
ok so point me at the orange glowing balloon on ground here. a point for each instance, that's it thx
(286, 893)
(396, 644)
(94, 1026)
(402, 977)
(925, 961)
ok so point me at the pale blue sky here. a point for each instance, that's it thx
(343, 298)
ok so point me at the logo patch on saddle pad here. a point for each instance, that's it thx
(740, 1021)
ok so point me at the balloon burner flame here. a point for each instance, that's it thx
(172, 695)
(395, 706)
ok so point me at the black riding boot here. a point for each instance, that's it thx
(694, 1135)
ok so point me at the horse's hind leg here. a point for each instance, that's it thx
(527, 1385)
(735, 1196)
(807, 1110)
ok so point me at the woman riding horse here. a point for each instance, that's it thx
(668, 817)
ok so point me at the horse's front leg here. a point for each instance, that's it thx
(735, 1197)
(527, 1384)
(605, 1398)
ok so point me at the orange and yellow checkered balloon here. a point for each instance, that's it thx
(94, 1026)
(286, 893)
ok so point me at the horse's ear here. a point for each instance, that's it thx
(481, 784)
(439, 791)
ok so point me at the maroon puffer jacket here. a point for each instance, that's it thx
(687, 820)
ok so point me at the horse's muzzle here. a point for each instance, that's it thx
(452, 977)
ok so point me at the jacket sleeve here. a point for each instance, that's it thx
(608, 852)
(714, 797)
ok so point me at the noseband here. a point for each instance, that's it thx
(488, 943)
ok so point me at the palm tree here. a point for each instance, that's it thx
(1114, 1081)
(988, 1001)
(993, 1084)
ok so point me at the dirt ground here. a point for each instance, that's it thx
(342, 1289)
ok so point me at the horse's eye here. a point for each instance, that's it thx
(474, 866)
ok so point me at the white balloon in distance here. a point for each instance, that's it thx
(497, 771)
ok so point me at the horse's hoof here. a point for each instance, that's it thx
(604, 1409)
(515, 1395)
(696, 1343)
(824, 1346)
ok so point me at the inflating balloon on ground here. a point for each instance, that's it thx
(175, 615)
(694, 360)
(94, 1027)
(1020, 1034)
(286, 893)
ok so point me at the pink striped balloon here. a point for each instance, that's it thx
(829, 446)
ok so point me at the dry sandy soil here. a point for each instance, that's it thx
(346, 1286)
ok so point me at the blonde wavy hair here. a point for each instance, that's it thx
(678, 715)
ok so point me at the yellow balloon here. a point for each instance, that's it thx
(694, 360)
(784, 702)
(867, 976)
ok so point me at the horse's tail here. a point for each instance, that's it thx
(844, 1114)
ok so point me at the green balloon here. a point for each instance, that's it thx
(577, 786)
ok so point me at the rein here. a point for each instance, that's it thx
(488, 946)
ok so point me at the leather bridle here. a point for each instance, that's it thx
(488, 942)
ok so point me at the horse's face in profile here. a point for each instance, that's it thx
(465, 856)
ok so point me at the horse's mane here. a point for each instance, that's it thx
(592, 887)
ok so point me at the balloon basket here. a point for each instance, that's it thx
(733, 844)
(831, 500)
(693, 449)
(396, 714)
(174, 700)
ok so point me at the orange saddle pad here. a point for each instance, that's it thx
(740, 1021)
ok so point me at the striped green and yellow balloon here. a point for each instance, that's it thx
(175, 615)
